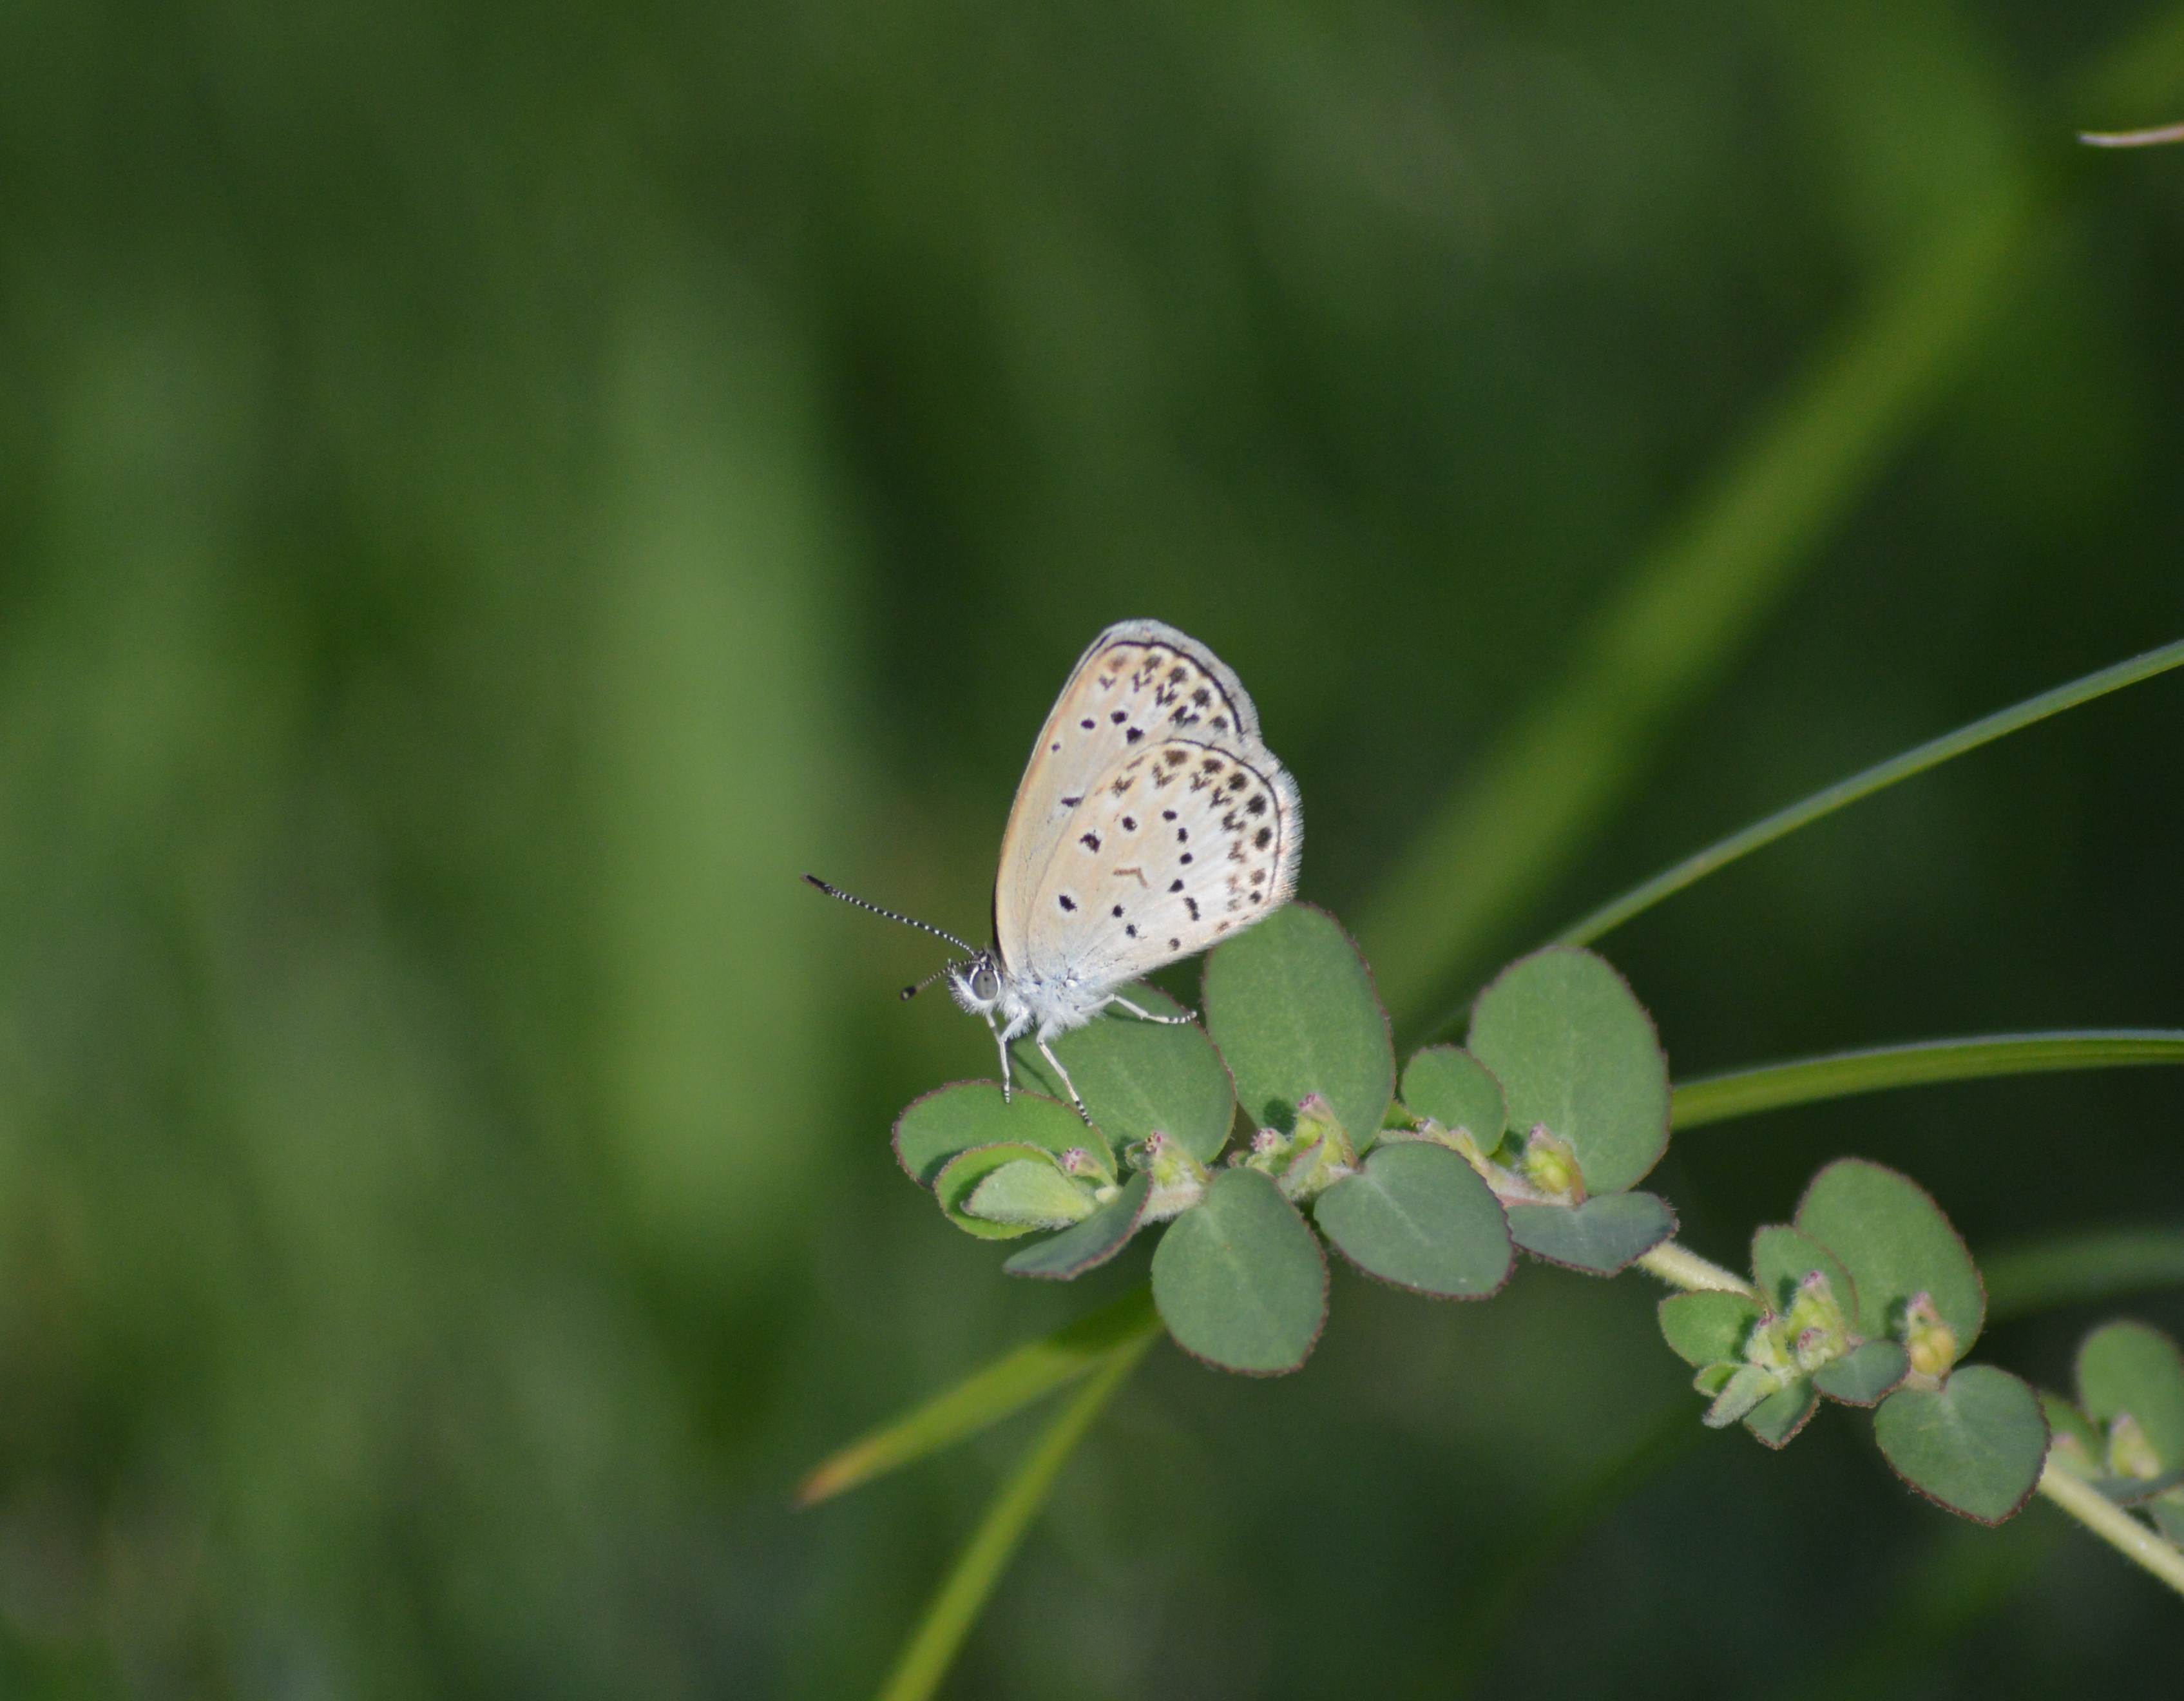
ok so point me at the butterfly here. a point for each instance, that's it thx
(1151, 823)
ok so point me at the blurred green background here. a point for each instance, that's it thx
(489, 495)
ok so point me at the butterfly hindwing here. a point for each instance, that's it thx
(1139, 684)
(1179, 843)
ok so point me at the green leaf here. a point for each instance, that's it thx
(1976, 1445)
(1863, 1375)
(1572, 1048)
(1091, 1243)
(958, 1183)
(1603, 1236)
(992, 1392)
(1239, 1280)
(2129, 1367)
(1894, 1240)
(2069, 1428)
(1706, 1328)
(954, 1118)
(1291, 1005)
(1137, 1076)
(1419, 1216)
(1776, 1419)
(1781, 1259)
(1457, 1090)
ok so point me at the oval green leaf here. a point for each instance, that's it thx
(1776, 1419)
(1137, 1076)
(956, 1117)
(1239, 1280)
(1068, 1255)
(962, 1176)
(2130, 1367)
(1457, 1090)
(1292, 1007)
(1781, 1259)
(1895, 1241)
(1574, 1048)
(1419, 1216)
(1975, 1445)
(1864, 1375)
(1708, 1327)
(1603, 1236)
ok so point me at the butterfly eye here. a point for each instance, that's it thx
(985, 985)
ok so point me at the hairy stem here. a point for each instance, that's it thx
(2113, 1524)
(1681, 1267)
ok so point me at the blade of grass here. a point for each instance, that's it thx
(1742, 1092)
(987, 1396)
(1688, 608)
(1878, 777)
(925, 1657)
(2073, 1270)
(1702, 593)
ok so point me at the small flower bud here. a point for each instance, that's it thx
(1930, 1343)
(2130, 1453)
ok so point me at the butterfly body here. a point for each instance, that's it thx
(1151, 822)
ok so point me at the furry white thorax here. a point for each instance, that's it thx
(1012, 1007)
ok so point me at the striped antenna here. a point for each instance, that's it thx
(892, 916)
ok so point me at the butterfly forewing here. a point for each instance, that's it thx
(1140, 684)
(1179, 845)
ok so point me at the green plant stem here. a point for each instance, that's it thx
(1878, 777)
(2113, 1524)
(925, 1658)
(1741, 1092)
(1681, 1267)
(2072, 1269)
(1001, 1388)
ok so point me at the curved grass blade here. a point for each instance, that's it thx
(1878, 777)
(954, 1608)
(1840, 1074)
(1003, 1387)
(2075, 1269)
(1691, 605)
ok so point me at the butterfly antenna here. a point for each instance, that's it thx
(911, 992)
(892, 916)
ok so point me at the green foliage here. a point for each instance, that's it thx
(2125, 1434)
(1291, 1005)
(1896, 1245)
(1457, 1090)
(1865, 1374)
(1708, 1327)
(1783, 1260)
(951, 1119)
(1604, 1237)
(1777, 1419)
(1575, 1052)
(1240, 1281)
(1091, 1243)
(998, 1191)
(1137, 1076)
(1976, 1444)
(1419, 1216)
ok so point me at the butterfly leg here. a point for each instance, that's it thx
(1182, 1021)
(1001, 1039)
(1054, 1063)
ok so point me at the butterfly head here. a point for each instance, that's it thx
(976, 983)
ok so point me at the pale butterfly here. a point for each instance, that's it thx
(1151, 823)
